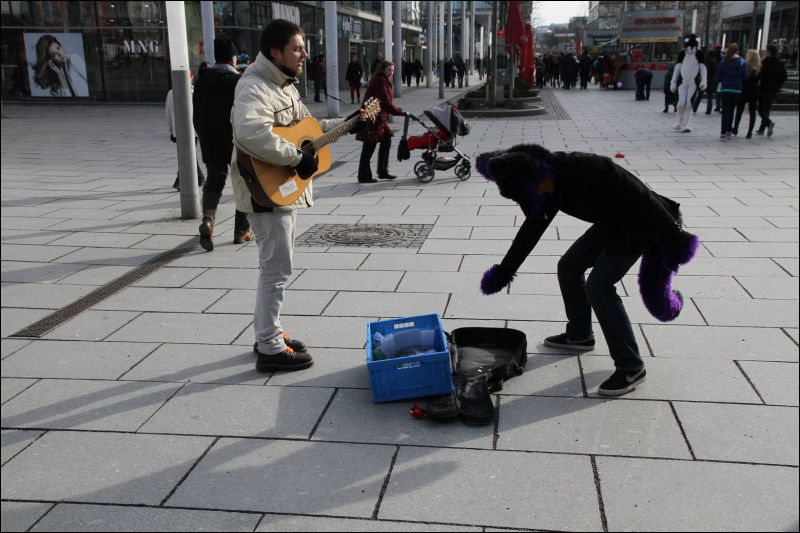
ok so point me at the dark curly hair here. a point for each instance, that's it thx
(44, 76)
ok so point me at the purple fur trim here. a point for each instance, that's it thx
(482, 165)
(494, 279)
(687, 252)
(655, 287)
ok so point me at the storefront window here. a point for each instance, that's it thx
(135, 67)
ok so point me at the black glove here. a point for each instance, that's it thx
(307, 166)
(173, 139)
(360, 125)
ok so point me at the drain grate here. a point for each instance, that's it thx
(50, 322)
(366, 235)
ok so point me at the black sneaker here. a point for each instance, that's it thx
(621, 382)
(285, 360)
(564, 342)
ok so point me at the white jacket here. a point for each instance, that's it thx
(266, 96)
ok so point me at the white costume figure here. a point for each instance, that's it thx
(690, 64)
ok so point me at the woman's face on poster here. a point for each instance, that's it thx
(56, 53)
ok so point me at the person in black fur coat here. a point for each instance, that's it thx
(629, 221)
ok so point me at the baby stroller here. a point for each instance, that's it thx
(448, 125)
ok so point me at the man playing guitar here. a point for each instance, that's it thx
(266, 97)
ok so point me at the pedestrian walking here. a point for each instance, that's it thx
(585, 69)
(643, 79)
(408, 72)
(317, 75)
(378, 132)
(461, 71)
(749, 96)
(418, 70)
(376, 63)
(353, 78)
(773, 76)
(712, 60)
(212, 101)
(265, 97)
(731, 75)
(628, 221)
(169, 108)
(670, 98)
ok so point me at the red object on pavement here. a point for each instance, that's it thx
(417, 411)
(619, 155)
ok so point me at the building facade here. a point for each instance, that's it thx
(118, 51)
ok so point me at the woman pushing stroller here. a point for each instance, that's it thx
(629, 221)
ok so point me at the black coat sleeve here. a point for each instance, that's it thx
(528, 237)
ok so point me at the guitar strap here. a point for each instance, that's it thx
(248, 174)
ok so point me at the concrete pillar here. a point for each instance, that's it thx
(449, 30)
(387, 30)
(430, 40)
(694, 22)
(471, 43)
(207, 14)
(397, 19)
(331, 59)
(440, 51)
(767, 16)
(182, 102)
(464, 36)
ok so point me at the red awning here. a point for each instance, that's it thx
(515, 30)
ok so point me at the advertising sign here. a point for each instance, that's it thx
(651, 26)
(56, 64)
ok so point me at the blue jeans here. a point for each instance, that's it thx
(598, 294)
(729, 101)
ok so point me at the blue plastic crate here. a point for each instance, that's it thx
(411, 376)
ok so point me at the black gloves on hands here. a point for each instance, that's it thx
(307, 166)
(360, 125)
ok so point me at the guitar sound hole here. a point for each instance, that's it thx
(308, 143)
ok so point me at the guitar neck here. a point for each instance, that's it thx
(334, 134)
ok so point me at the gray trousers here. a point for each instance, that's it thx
(275, 238)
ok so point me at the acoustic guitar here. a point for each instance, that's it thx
(272, 185)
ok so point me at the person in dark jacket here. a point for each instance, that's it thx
(212, 101)
(378, 132)
(643, 79)
(628, 220)
(376, 63)
(418, 70)
(353, 78)
(585, 69)
(461, 71)
(749, 95)
(317, 74)
(773, 76)
(731, 75)
(670, 98)
(712, 60)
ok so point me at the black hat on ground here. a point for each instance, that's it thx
(224, 50)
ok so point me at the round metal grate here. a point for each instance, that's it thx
(363, 235)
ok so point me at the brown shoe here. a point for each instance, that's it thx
(207, 234)
(243, 237)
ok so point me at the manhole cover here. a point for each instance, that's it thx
(363, 235)
(383, 235)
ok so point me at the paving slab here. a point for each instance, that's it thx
(740, 343)
(333, 367)
(41, 295)
(74, 359)
(76, 517)
(747, 433)
(345, 280)
(183, 327)
(589, 426)
(14, 441)
(537, 331)
(532, 488)
(10, 346)
(162, 299)
(776, 383)
(697, 380)
(429, 262)
(287, 477)
(547, 375)
(241, 411)
(13, 320)
(758, 313)
(313, 523)
(771, 288)
(91, 405)
(386, 304)
(20, 516)
(352, 417)
(674, 495)
(93, 325)
(170, 277)
(199, 363)
(320, 332)
(12, 386)
(101, 467)
(31, 272)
